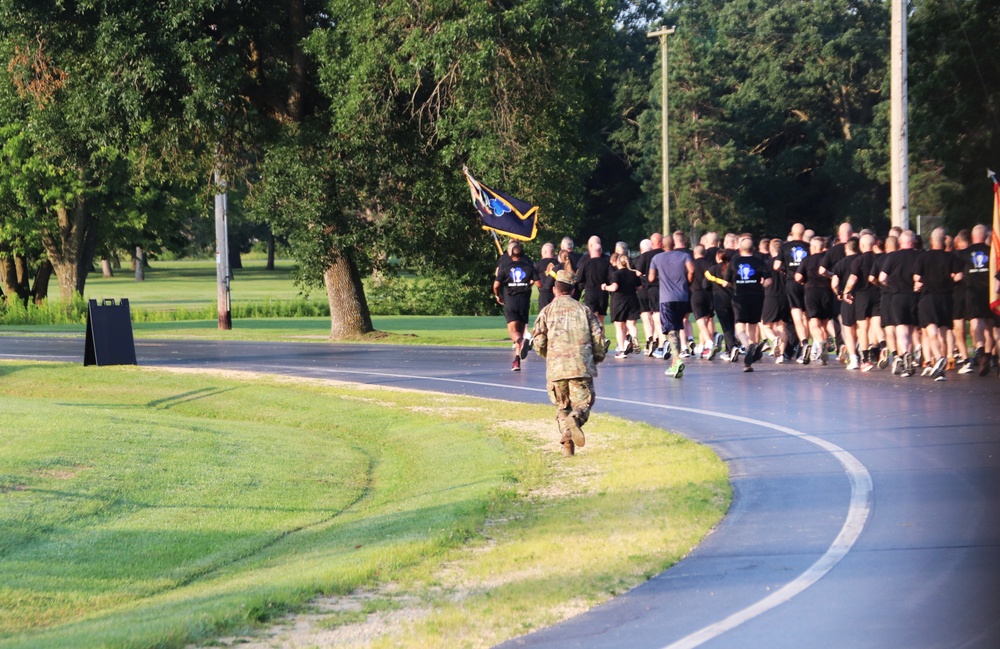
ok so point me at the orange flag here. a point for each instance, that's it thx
(995, 247)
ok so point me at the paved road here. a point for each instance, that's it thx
(866, 509)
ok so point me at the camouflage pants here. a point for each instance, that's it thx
(572, 397)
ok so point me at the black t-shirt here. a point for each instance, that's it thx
(898, 267)
(935, 268)
(592, 272)
(861, 268)
(842, 270)
(642, 265)
(833, 256)
(793, 253)
(809, 268)
(778, 277)
(747, 274)
(699, 282)
(516, 276)
(627, 281)
(976, 267)
(541, 268)
(719, 271)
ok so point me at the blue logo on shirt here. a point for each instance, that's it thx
(798, 254)
(980, 260)
(517, 275)
(745, 271)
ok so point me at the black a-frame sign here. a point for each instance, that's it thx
(109, 334)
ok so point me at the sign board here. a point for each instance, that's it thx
(109, 334)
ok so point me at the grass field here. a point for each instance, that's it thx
(143, 508)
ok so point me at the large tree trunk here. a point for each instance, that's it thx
(40, 289)
(72, 248)
(270, 250)
(349, 315)
(106, 270)
(13, 283)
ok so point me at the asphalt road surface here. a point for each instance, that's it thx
(866, 507)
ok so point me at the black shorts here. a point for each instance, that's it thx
(673, 315)
(848, 314)
(653, 298)
(865, 305)
(643, 296)
(747, 309)
(977, 305)
(885, 307)
(958, 303)
(701, 304)
(516, 307)
(624, 309)
(775, 309)
(935, 309)
(904, 309)
(820, 303)
(796, 294)
(596, 301)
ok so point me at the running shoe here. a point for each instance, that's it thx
(937, 370)
(712, 353)
(516, 367)
(853, 364)
(676, 370)
(650, 346)
(824, 357)
(690, 347)
(620, 355)
(897, 365)
(734, 354)
(918, 355)
(928, 369)
(657, 353)
(717, 341)
(751, 354)
(883, 358)
(758, 354)
(866, 366)
(831, 345)
(607, 345)
(766, 346)
(780, 360)
(523, 346)
(909, 367)
(747, 368)
(629, 343)
(966, 367)
(984, 365)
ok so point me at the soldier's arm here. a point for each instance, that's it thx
(597, 338)
(540, 337)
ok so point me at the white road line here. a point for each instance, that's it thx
(854, 523)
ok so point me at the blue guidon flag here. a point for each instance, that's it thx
(501, 212)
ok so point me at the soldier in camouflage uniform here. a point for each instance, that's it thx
(572, 342)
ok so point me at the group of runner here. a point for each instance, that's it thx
(891, 303)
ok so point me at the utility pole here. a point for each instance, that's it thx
(665, 181)
(899, 159)
(222, 252)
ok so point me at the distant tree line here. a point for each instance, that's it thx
(341, 127)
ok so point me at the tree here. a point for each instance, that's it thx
(954, 59)
(775, 114)
(91, 123)
(410, 92)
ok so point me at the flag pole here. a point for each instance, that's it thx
(496, 240)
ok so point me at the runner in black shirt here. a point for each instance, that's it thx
(516, 276)
(722, 301)
(934, 275)
(793, 253)
(848, 315)
(818, 298)
(592, 272)
(749, 275)
(860, 293)
(976, 273)
(897, 275)
(623, 287)
(650, 309)
(701, 303)
(542, 267)
(776, 315)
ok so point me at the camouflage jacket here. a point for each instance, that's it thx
(570, 339)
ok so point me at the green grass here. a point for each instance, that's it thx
(146, 508)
